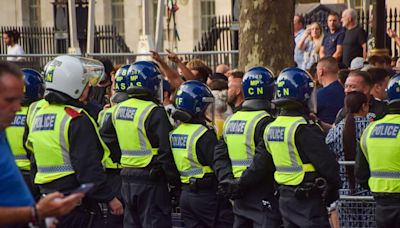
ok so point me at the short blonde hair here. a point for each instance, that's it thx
(196, 63)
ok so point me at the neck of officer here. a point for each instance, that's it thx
(54, 97)
(239, 100)
(256, 105)
(144, 98)
(300, 111)
(198, 120)
(394, 108)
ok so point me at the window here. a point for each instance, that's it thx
(207, 8)
(34, 13)
(117, 15)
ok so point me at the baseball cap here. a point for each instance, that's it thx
(357, 63)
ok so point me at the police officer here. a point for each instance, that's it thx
(65, 142)
(378, 166)
(34, 90)
(305, 168)
(121, 82)
(256, 205)
(193, 145)
(142, 129)
(113, 168)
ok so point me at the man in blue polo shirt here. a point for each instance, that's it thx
(330, 98)
(332, 45)
(16, 202)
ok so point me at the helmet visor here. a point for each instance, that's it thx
(93, 70)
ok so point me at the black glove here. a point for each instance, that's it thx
(230, 188)
(174, 194)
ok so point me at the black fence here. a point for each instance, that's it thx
(108, 40)
(45, 40)
(222, 37)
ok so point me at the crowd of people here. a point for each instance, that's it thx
(99, 145)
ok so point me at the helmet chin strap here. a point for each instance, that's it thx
(207, 119)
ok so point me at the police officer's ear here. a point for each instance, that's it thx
(181, 116)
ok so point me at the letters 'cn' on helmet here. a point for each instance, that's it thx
(258, 83)
(294, 85)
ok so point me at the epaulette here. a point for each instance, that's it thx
(72, 112)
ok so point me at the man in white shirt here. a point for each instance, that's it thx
(298, 29)
(13, 48)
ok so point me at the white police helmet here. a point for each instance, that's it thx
(70, 75)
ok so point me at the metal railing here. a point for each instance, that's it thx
(356, 210)
(211, 58)
(47, 40)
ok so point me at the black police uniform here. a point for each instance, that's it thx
(150, 184)
(86, 160)
(386, 214)
(113, 177)
(27, 174)
(200, 205)
(93, 109)
(257, 205)
(311, 211)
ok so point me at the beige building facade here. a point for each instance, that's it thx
(192, 17)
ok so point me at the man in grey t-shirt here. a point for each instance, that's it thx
(355, 38)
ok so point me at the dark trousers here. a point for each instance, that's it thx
(199, 209)
(83, 217)
(114, 180)
(33, 188)
(387, 214)
(147, 201)
(303, 213)
(257, 211)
